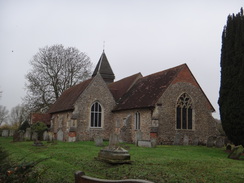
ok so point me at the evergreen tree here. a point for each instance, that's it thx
(231, 99)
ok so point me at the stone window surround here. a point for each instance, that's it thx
(137, 120)
(193, 114)
(102, 116)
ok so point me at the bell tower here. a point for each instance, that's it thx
(104, 69)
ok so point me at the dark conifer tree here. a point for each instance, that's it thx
(231, 98)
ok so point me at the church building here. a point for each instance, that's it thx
(159, 106)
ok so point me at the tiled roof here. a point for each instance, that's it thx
(41, 117)
(66, 101)
(103, 67)
(147, 90)
(119, 88)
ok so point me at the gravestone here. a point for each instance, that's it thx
(98, 141)
(34, 136)
(11, 133)
(147, 143)
(154, 143)
(60, 135)
(195, 141)
(138, 136)
(114, 154)
(236, 152)
(5, 133)
(71, 139)
(113, 140)
(186, 140)
(50, 136)
(219, 142)
(177, 139)
(21, 136)
(211, 141)
(27, 134)
(45, 136)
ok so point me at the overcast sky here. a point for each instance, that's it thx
(144, 36)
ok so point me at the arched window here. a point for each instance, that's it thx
(137, 121)
(96, 115)
(184, 112)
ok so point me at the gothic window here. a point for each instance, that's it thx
(137, 121)
(184, 112)
(96, 115)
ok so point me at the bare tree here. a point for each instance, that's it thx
(54, 69)
(3, 114)
(17, 115)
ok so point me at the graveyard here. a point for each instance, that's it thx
(164, 163)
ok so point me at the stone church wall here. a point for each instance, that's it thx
(204, 124)
(125, 124)
(96, 91)
(60, 124)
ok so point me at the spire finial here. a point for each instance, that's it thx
(103, 46)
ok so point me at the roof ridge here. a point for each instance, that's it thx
(181, 65)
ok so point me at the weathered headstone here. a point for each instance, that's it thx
(45, 136)
(219, 142)
(236, 152)
(98, 141)
(11, 133)
(177, 139)
(113, 140)
(147, 143)
(186, 140)
(60, 135)
(154, 143)
(138, 136)
(27, 134)
(5, 133)
(34, 136)
(211, 141)
(71, 139)
(50, 136)
(21, 136)
(195, 141)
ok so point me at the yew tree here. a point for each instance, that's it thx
(231, 98)
(53, 70)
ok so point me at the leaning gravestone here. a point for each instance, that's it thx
(177, 139)
(5, 133)
(211, 141)
(219, 142)
(60, 135)
(98, 141)
(186, 140)
(27, 134)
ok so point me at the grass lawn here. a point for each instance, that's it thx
(161, 164)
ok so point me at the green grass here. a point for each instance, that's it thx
(162, 164)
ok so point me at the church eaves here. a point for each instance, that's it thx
(104, 69)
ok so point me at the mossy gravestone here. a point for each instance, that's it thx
(236, 152)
